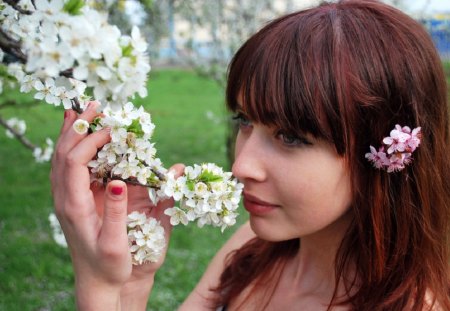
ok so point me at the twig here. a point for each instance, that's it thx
(15, 6)
(11, 41)
(76, 105)
(11, 103)
(20, 137)
(8, 104)
(11, 46)
(158, 174)
(134, 182)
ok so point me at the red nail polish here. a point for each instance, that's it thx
(116, 190)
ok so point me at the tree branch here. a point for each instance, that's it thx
(76, 105)
(20, 137)
(11, 46)
(8, 103)
(12, 103)
(132, 182)
(15, 6)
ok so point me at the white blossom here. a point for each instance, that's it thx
(111, 67)
(44, 154)
(145, 238)
(27, 83)
(48, 91)
(58, 234)
(81, 126)
(19, 126)
(16, 70)
(137, 41)
(206, 192)
(177, 216)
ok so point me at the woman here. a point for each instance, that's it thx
(315, 93)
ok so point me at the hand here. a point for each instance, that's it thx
(141, 278)
(138, 200)
(95, 229)
(98, 246)
(136, 290)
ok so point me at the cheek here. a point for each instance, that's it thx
(317, 191)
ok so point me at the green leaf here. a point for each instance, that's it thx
(96, 121)
(191, 185)
(147, 3)
(208, 177)
(136, 128)
(73, 7)
(153, 180)
(126, 51)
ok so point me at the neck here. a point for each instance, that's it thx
(312, 271)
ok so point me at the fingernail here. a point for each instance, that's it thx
(117, 190)
(66, 114)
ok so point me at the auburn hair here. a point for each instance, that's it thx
(347, 73)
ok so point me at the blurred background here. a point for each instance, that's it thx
(191, 43)
(204, 34)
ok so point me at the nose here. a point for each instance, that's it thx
(249, 163)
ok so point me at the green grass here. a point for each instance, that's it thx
(447, 72)
(36, 274)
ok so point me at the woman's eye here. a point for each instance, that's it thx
(242, 120)
(292, 140)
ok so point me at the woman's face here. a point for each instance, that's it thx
(294, 186)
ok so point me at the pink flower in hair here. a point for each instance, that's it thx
(414, 141)
(378, 158)
(400, 145)
(397, 139)
(398, 161)
(405, 129)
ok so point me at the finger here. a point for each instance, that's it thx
(57, 171)
(178, 168)
(115, 214)
(69, 117)
(76, 173)
(86, 149)
(70, 138)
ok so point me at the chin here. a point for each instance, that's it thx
(267, 231)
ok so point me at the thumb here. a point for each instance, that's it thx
(115, 212)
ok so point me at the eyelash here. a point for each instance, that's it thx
(294, 140)
(241, 120)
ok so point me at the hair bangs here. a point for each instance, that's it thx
(277, 78)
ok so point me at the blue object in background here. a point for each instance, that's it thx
(439, 30)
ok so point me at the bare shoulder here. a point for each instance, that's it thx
(431, 303)
(198, 299)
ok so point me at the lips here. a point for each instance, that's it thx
(256, 206)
